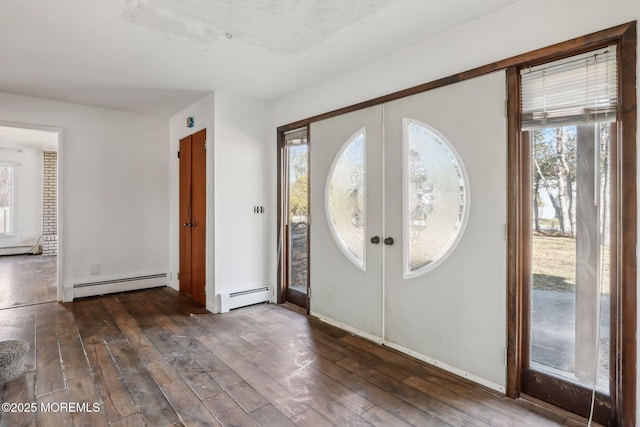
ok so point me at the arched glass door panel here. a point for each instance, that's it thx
(436, 198)
(345, 199)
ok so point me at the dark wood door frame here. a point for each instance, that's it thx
(625, 37)
(624, 227)
(283, 293)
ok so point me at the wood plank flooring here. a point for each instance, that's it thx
(154, 358)
(27, 279)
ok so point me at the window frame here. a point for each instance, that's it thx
(623, 396)
(12, 200)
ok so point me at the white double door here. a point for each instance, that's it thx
(451, 308)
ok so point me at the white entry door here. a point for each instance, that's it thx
(446, 207)
(346, 213)
(434, 191)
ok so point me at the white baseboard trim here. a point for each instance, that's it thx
(67, 294)
(17, 250)
(347, 328)
(89, 289)
(431, 361)
(456, 371)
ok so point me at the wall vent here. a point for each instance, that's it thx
(242, 298)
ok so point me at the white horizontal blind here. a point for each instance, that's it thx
(579, 89)
(296, 136)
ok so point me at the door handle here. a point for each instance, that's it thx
(375, 240)
(388, 241)
(189, 224)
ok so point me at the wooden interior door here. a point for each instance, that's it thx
(193, 174)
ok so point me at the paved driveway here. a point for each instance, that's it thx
(553, 331)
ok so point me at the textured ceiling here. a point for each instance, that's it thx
(281, 26)
(158, 56)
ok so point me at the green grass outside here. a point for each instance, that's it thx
(554, 264)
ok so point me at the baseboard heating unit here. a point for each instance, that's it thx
(123, 284)
(242, 298)
(17, 250)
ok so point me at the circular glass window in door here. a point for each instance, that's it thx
(435, 197)
(345, 198)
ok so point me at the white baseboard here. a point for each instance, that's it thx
(67, 294)
(456, 371)
(110, 286)
(17, 250)
(347, 328)
(415, 355)
(230, 299)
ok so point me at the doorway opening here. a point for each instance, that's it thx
(29, 215)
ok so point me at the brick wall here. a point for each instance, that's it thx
(50, 204)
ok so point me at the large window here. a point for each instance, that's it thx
(567, 109)
(6, 199)
(569, 118)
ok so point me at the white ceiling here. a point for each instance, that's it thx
(158, 56)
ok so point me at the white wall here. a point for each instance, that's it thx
(239, 242)
(114, 186)
(520, 28)
(27, 197)
(244, 240)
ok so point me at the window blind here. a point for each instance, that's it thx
(577, 90)
(296, 136)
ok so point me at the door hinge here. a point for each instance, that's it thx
(309, 292)
(178, 154)
(178, 276)
(205, 144)
(204, 288)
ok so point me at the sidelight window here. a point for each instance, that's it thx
(569, 133)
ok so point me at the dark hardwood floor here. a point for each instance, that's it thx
(27, 279)
(154, 358)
